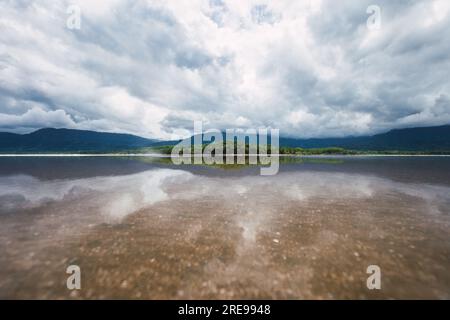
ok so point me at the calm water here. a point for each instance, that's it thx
(142, 228)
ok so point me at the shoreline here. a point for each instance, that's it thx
(12, 155)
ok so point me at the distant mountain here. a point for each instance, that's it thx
(70, 140)
(409, 139)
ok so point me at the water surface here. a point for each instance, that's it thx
(143, 228)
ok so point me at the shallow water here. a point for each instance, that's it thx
(142, 228)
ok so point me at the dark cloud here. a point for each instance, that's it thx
(310, 68)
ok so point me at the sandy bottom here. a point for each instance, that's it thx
(171, 234)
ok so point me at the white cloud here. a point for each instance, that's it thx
(36, 117)
(310, 68)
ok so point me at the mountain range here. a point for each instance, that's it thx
(71, 140)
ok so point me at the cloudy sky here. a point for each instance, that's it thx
(310, 68)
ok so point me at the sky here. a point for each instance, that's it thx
(320, 68)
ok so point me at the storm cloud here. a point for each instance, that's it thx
(309, 68)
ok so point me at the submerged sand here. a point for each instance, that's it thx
(167, 233)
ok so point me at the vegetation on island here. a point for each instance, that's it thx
(297, 151)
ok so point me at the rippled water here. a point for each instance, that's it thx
(142, 228)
